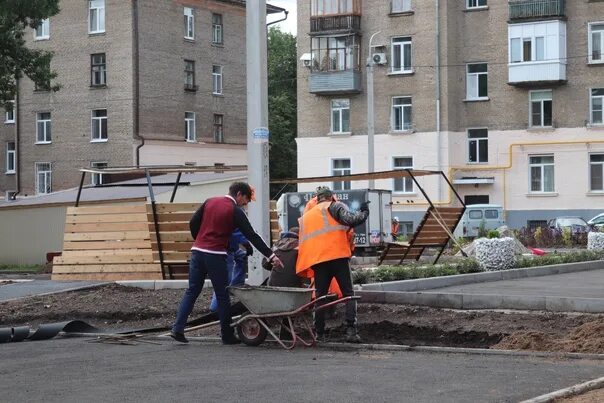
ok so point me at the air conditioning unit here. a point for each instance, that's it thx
(379, 58)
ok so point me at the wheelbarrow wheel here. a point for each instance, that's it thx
(251, 332)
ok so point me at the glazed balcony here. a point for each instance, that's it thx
(536, 9)
(335, 23)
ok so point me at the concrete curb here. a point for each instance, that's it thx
(566, 392)
(80, 288)
(460, 279)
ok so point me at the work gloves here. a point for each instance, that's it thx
(365, 206)
(248, 249)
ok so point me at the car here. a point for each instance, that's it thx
(597, 221)
(577, 225)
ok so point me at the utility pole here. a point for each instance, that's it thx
(257, 128)
(370, 123)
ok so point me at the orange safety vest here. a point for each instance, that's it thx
(322, 239)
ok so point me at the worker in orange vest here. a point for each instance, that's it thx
(324, 251)
(394, 229)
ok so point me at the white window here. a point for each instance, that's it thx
(9, 117)
(43, 126)
(98, 70)
(190, 127)
(99, 125)
(401, 114)
(541, 173)
(541, 108)
(401, 55)
(400, 6)
(218, 128)
(403, 185)
(478, 146)
(596, 43)
(476, 81)
(596, 102)
(216, 28)
(98, 179)
(42, 31)
(11, 158)
(340, 167)
(340, 116)
(217, 80)
(527, 49)
(476, 3)
(190, 75)
(596, 172)
(43, 178)
(189, 23)
(96, 16)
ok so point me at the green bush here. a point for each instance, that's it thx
(559, 258)
(493, 234)
(25, 268)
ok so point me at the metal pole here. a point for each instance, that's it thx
(437, 72)
(370, 123)
(257, 128)
(80, 188)
(175, 187)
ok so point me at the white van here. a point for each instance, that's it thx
(477, 214)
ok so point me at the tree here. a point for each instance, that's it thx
(16, 59)
(282, 106)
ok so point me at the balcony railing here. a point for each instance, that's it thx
(335, 23)
(335, 82)
(531, 9)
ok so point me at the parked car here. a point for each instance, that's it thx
(577, 225)
(597, 221)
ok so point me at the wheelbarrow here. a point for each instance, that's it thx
(269, 306)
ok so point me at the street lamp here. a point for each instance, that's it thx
(370, 124)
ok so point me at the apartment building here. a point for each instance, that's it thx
(144, 82)
(505, 97)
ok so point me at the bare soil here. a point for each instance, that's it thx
(118, 307)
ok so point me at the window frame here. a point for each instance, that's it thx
(47, 123)
(537, 52)
(47, 177)
(476, 76)
(591, 165)
(189, 21)
(218, 128)
(591, 108)
(98, 179)
(405, 126)
(190, 74)
(7, 113)
(401, 42)
(217, 29)
(541, 109)
(341, 185)
(11, 159)
(335, 53)
(45, 25)
(542, 166)
(400, 6)
(340, 110)
(99, 16)
(99, 69)
(590, 34)
(407, 183)
(102, 121)
(476, 5)
(217, 80)
(190, 135)
(478, 141)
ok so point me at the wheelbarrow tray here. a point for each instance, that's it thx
(264, 300)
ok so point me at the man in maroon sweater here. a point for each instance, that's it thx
(211, 227)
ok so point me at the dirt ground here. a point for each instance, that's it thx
(118, 307)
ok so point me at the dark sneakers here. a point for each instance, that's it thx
(352, 336)
(180, 337)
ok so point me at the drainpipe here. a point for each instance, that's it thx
(370, 115)
(437, 66)
(282, 19)
(17, 148)
(135, 78)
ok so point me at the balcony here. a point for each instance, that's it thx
(335, 24)
(536, 9)
(335, 82)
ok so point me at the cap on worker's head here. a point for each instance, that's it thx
(324, 192)
(395, 219)
(253, 194)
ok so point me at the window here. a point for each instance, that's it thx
(476, 3)
(217, 28)
(340, 116)
(475, 214)
(340, 167)
(476, 81)
(42, 31)
(334, 53)
(96, 16)
(541, 173)
(217, 80)
(405, 228)
(478, 146)
(527, 49)
(190, 75)
(189, 23)
(43, 178)
(218, 129)
(401, 113)
(98, 179)
(99, 125)
(597, 100)
(403, 185)
(11, 156)
(491, 214)
(401, 55)
(9, 117)
(190, 135)
(596, 43)
(596, 172)
(541, 108)
(43, 134)
(98, 70)
(323, 7)
(400, 6)
(45, 85)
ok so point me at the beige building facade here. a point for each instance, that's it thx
(503, 96)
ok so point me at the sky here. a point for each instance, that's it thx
(288, 25)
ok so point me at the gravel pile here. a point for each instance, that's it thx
(595, 240)
(495, 254)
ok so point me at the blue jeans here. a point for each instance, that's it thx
(236, 267)
(204, 264)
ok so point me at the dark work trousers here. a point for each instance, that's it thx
(324, 272)
(214, 266)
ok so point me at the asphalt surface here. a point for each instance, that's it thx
(40, 287)
(76, 370)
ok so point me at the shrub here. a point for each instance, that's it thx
(559, 258)
(493, 234)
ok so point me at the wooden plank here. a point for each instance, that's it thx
(107, 236)
(174, 207)
(172, 246)
(123, 209)
(173, 257)
(108, 276)
(106, 227)
(274, 225)
(179, 226)
(177, 236)
(106, 252)
(171, 217)
(449, 209)
(106, 268)
(94, 245)
(105, 259)
(107, 218)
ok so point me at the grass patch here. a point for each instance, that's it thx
(22, 268)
